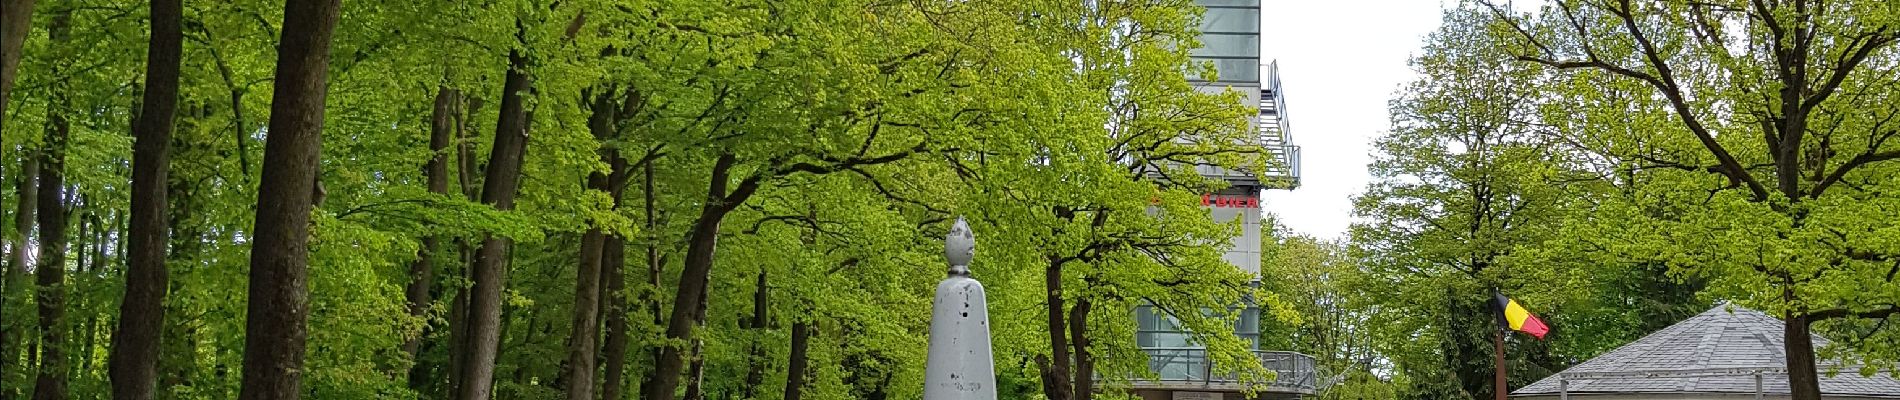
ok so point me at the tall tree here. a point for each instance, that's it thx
(1461, 183)
(50, 271)
(422, 270)
(135, 343)
(1775, 131)
(499, 183)
(280, 254)
(585, 330)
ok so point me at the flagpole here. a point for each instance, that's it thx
(1498, 339)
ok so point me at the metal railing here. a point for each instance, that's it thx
(1293, 372)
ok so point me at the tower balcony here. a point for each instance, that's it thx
(1186, 373)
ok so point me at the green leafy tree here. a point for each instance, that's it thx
(1773, 162)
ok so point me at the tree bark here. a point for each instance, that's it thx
(695, 386)
(177, 358)
(695, 274)
(134, 354)
(582, 337)
(797, 361)
(458, 327)
(613, 302)
(279, 302)
(697, 372)
(422, 270)
(1084, 360)
(613, 351)
(14, 25)
(1055, 368)
(498, 190)
(1803, 377)
(12, 340)
(755, 371)
(51, 271)
(458, 307)
(615, 260)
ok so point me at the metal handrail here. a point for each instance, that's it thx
(1291, 370)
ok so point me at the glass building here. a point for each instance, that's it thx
(1231, 42)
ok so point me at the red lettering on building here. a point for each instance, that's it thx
(1229, 201)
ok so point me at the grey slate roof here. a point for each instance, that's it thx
(1717, 338)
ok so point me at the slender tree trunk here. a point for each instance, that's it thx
(613, 261)
(18, 290)
(458, 307)
(581, 350)
(51, 271)
(498, 190)
(279, 303)
(80, 243)
(1084, 359)
(15, 22)
(177, 359)
(613, 301)
(696, 372)
(755, 370)
(422, 270)
(1055, 368)
(458, 327)
(695, 386)
(134, 354)
(695, 275)
(797, 361)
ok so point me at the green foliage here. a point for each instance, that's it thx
(863, 125)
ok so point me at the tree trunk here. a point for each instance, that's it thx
(177, 357)
(613, 262)
(755, 370)
(51, 271)
(134, 354)
(12, 339)
(14, 25)
(695, 386)
(458, 328)
(697, 373)
(582, 336)
(279, 302)
(1803, 378)
(694, 276)
(1084, 360)
(498, 190)
(613, 301)
(458, 307)
(422, 270)
(797, 361)
(1055, 368)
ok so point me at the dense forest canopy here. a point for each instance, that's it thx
(588, 199)
(667, 199)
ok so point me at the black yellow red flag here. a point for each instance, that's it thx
(1512, 316)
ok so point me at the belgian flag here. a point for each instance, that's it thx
(1514, 317)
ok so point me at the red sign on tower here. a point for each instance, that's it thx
(1230, 201)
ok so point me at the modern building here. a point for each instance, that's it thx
(1728, 352)
(1231, 41)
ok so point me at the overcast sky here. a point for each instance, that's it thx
(1339, 62)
